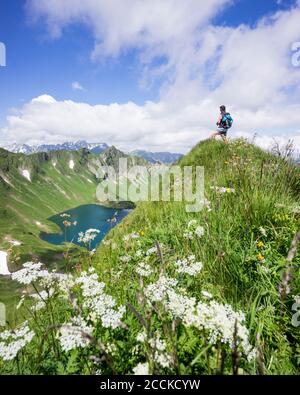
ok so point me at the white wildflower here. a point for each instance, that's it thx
(31, 272)
(143, 269)
(41, 299)
(141, 369)
(188, 266)
(160, 354)
(141, 336)
(263, 231)
(131, 236)
(207, 294)
(88, 236)
(125, 258)
(178, 304)
(188, 235)
(158, 290)
(139, 253)
(296, 298)
(12, 341)
(219, 321)
(151, 251)
(75, 334)
(199, 231)
(101, 305)
(193, 229)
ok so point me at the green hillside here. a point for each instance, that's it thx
(182, 277)
(35, 187)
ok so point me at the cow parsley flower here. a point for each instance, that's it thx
(158, 290)
(88, 236)
(158, 346)
(143, 269)
(125, 258)
(12, 341)
(207, 294)
(178, 305)
(151, 251)
(141, 369)
(219, 321)
(31, 272)
(76, 334)
(141, 336)
(188, 266)
(95, 300)
(193, 229)
(41, 299)
(199, 231)
(131, 236)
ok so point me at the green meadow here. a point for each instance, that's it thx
(210, 292)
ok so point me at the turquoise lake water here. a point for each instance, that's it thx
(87, 216)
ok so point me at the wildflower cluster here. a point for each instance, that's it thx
(192, 230)
(96, 307)
(88, 236)
(158, 348)
(31, 272)
(99, 305)
(143, 269)
(188, 266)
(131, 236)
(219, 321)
(76, 334)
(222, 190)
(12, 341)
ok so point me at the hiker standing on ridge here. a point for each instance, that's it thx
(224, 123)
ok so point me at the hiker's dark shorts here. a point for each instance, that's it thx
(222, 131)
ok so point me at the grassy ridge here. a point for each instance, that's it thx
(242, 237)
(247, 236)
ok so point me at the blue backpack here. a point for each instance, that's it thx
(227, 121)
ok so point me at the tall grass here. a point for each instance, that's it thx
(247, 236)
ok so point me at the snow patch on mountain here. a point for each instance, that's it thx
(26, 174)
(96, 148)
(3, 264)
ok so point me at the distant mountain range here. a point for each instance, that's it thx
(95, 148)
(154, 157)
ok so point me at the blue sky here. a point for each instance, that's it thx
(38, 64)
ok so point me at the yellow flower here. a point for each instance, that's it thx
(260, 244)
(260, 257)
(142, 233)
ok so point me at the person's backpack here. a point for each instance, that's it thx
(227, 121)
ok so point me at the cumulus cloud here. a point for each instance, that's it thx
(155, 126)
(199, 64)
(76, 86)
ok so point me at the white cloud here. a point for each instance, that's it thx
(76, 86)
(154, 126)
(204, 65)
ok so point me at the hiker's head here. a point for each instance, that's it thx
(222, 108)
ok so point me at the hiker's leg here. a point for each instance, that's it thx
(224, 138)
(214, 134)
